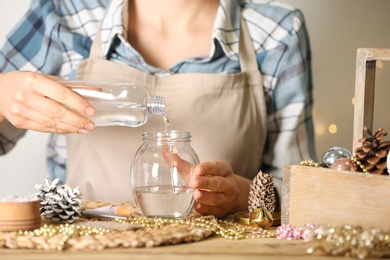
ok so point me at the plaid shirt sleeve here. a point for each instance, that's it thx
(26, 48)
(9, 136)
(45, 41)
(35, 38)
(290, 134)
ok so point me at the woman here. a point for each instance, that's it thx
(234, 73)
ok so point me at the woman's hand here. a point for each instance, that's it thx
(218, 191)
(38, 102)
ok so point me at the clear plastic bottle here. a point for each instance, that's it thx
(160, 174)
(123, 104)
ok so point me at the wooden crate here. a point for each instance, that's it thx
(325, 196)
(365, 89)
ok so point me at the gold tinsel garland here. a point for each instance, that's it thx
(350, 241)
(151, 232)
(81, 237)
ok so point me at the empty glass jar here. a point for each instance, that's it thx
(160, 173)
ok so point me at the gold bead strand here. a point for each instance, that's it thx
(355, 160)
(209, 222)
(310, 163)
(66, 230)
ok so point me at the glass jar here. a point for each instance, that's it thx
(122, 104)
(160, 174)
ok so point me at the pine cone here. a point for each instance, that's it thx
(261, 193)
(373, 152)
(60, 204)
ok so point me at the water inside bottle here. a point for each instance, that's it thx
(119, 113)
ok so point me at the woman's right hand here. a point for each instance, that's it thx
(38, 102)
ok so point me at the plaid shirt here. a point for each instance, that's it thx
(56, 35)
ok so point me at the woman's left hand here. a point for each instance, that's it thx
(216, 189)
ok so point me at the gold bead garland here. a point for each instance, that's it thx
(333, 240)
(60, 235)
(311, 163)
(355, 160)
(67, 230)
(237, 231)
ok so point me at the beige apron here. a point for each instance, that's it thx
(225, 114)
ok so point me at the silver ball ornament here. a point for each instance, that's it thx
(334, 153)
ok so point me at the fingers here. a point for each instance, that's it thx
(217, 168)
(215, 188)
(32, 125)
(65, 96)
(208, 193)
(213, 203)
(54, 78)
(209, 198)
(39, 102)
(183, 167)
(205, 209)
(209, 183)
(212, 176)
(24, 117)
(50, 111)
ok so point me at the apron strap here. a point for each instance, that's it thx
(96, 47)
(248, 59)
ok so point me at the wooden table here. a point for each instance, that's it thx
(211, 248)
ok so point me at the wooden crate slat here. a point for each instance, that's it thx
(365, 89)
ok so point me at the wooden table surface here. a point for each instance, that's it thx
(214, 247)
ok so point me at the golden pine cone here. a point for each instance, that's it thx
(372, 154)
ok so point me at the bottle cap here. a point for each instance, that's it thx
(156, 106)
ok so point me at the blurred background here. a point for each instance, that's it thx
(336, 29)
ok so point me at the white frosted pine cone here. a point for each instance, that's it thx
(59, 204)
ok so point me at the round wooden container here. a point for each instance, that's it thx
(19, 214)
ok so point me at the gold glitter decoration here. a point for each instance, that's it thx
(350, 241)
(224, 228)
